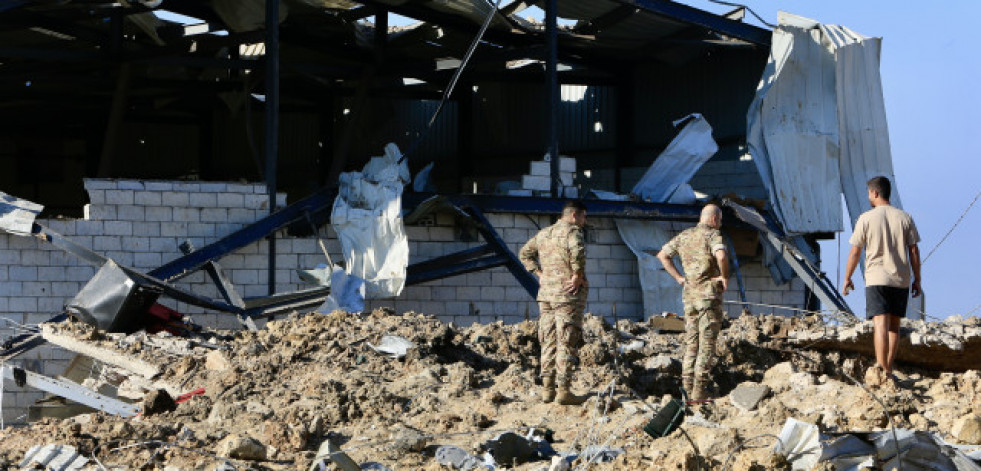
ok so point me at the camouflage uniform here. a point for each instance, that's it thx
(558, 252)
(703, 302)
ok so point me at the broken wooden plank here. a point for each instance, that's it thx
(105, 355)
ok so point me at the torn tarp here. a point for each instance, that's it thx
(17, 215)
(368, 221)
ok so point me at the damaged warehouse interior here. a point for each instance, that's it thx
(229, 246)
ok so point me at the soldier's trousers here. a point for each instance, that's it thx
(560, 335)
(701, 331)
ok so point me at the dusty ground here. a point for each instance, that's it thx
(301, 378)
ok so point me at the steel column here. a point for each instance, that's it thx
(552, 91)
(272, 122)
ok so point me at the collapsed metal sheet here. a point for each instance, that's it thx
(17, 215)
(792, 129)
(864, 142)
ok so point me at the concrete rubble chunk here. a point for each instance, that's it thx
(747, 395)
(457, 458)
(158, 401)
(967, 429)
(241, 447)
(217, 361)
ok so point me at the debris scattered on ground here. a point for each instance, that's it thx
(269, 399)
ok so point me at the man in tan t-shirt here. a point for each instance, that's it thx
(892, 265)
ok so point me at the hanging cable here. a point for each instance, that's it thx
(975, 200)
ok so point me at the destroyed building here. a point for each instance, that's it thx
(138, 133)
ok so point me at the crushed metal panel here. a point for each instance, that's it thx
(17, 215)
(75, 392)
(793, 130)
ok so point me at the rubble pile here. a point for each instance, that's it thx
(393, 389)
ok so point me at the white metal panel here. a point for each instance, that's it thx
(864, 147)
(793, 131)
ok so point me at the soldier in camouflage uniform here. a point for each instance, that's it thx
(557, 256)
(703, 258)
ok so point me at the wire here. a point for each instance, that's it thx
(452, 85)
(761, 20)
(975, 200)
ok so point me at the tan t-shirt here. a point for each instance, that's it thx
(886, 234)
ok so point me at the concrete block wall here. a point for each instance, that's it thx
(141, 224)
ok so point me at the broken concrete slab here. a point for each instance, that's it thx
(457, 458)
(967, 429)
(112, 357)
(947, 346)
(748, 395)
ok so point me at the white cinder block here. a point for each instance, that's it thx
(256, 201)
(187, 214)
(147, 260)
(201, 229)
(173, 229)
(23, 273)
(540, 168)
(97, 197)
(129, 185)
(148, 198)
(119, 197)
(567, 164)
(492, 293)
(203, 200)
(158, 213)
(118, 228)
(100, 212)
(174, 199)
(214, 187)
(538, 183)
(23, 304)
(158, 186)
(35, 257)
(230, 200)
(131, 213)
(98, 184)
(52, 274)
(519, 192)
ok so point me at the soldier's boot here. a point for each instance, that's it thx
(548, 389)
(565, 397)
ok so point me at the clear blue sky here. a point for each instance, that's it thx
(930, 69)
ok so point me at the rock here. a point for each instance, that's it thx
(217, 361)
(801, 381)
(241, 447)
(967, 429)
(559, 464)
(777, 376)
(715, 442)
(405, 439)
(661, 363)
(748, 395)
(157, 401)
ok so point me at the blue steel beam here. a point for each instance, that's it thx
(552, 206)
(436, 273)
(691, 15)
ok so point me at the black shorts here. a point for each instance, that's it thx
(885, 300)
